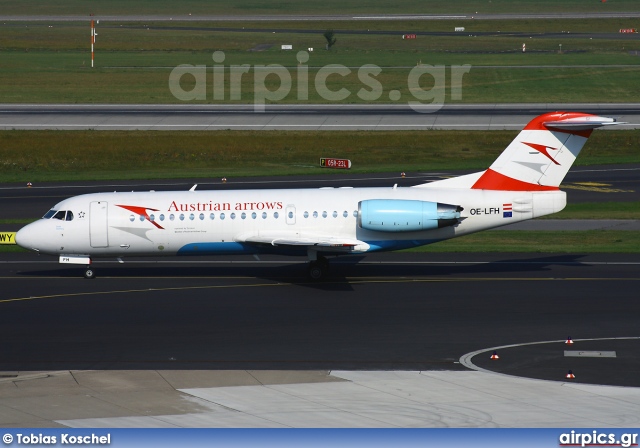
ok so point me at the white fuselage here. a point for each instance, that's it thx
(245, 221)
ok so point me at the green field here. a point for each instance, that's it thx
(255, 7)
(67, 78)
(37, 156)
(51, 63)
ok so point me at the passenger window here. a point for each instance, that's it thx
(222, 216)
(315, 214)
(243, 215)
(324, 214)
(152, 217)
(254, 215)
(201, 216)
(233, 216)
(305, 214)
(212, 216)
(335, 214)
(161, 217)
(276, 214)
(264, 215)
(345, 214)
(191, 216)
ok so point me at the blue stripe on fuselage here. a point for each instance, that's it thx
(385, 245)
(233, 248)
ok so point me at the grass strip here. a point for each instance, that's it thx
(596, 35)
(37, 156)
(44, 63)
(67, 78)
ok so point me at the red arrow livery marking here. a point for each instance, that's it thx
(543, 149)
(142, 211)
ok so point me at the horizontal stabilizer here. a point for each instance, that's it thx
(581, 124)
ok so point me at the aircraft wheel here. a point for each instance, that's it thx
(315, 271)
(89, 273)
(318, 269)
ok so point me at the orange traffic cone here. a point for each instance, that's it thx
(569, 341)
(570, 375)
(495, 355)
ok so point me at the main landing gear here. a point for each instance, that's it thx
(319, 268)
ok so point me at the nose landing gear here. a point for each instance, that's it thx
(89, 273)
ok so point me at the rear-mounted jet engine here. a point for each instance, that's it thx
(397, 215)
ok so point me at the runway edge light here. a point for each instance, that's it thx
(569, 341)
(495, 355)
(570, 375)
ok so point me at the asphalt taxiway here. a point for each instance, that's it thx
(385, 311)
(391, 340)
(296, 117)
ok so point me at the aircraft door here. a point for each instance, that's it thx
(98, 228)
(290, 213)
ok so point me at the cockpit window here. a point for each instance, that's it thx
(62, 215)
(49, 214)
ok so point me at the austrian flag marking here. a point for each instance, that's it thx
(507, 210)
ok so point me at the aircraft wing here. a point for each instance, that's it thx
(325, 243)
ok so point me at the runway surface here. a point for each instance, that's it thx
(295, 117)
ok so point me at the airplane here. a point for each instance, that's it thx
(521, 184)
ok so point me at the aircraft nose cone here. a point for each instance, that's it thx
(27, 238)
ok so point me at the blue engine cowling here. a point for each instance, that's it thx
(399, 215)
